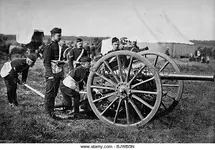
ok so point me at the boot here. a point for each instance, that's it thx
(15, 103)
(52, 115)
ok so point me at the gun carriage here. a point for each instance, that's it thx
(127, 89)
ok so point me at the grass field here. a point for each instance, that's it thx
(192, 121)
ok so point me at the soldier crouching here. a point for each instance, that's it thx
(73, 83)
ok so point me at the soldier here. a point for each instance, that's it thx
(76, 54)
(72, 85)
(167, 51)
(115, 44)
(10, 75)
(54, 72)
(134, 47)
(116, 47)
(92, 51)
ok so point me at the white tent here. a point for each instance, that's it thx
(158, 33)
(24, 37)
(106, 46)
(26, 30)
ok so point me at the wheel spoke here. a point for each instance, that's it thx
(114, 75)
(170, 85)
(137, 74)
(102, 87)
(127, 112)
(164, 66)
(142, 101)
(129, 69)
(155, 61)
(142, 82)
(136, 109)
(117, 111)
(143, 92)
(109, 106)
(106, 96)
(103, 77)
(119, 67)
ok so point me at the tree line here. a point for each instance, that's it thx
(204, 42)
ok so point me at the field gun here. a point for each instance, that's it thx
(131, 94)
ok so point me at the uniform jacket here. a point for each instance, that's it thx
(19, 66)
(51, 52)
(80, 75)
(74, 54)
(114, 64)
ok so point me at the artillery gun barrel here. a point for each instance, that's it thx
(187, 77)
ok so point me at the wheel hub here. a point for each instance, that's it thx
(123, 90)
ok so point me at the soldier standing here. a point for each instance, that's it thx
(54, 72)
(92, 51)
(116, 47)
(76, 54)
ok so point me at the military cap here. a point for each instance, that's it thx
(85, 59)
(114, 39)
(55, 30)
(32, 57)
(79, 40)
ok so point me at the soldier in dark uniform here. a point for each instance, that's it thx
(54, 72)
(71, 86)
(167, 51)
(64, 47)
(76, 54)
(134, 47)
(116, 47)
(92, 51)
(20, 65)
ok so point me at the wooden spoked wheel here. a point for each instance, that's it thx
(118, 78)
(172, 89)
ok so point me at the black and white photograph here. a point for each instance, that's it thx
(107, 74)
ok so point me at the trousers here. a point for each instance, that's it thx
(52, 87)
(11, 86)
(68, 96)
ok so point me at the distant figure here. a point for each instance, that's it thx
(213, 53)
(92, 51)
(207, 59)
(134, 47)
(87, 48)
(167, 51)
(191, 57)
(198, 55)
(64, 48)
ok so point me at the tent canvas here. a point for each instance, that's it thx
(25, 37)
(158, 33)
(106, 46)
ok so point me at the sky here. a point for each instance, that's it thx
(195, 19)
